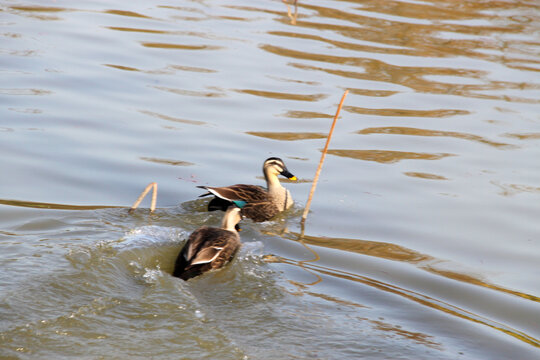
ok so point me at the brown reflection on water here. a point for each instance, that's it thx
(283, 96)
(209, 94)
(38, 8)
(477, 281)
(416, 297)
(171, 118)
(423, 175)
(438, 10)
(514, 189)
(373, 248)
(529, 136)
(39, 12)
(386, 156)
(472, 30)
(122, 67)
(400, 130)
(126, 13)
(412, 77)
(368, 92)
(148, 31)
(438, 113)
(287, 136)
(42, 205)
(396, 331)
(170, 46)
(297, 114)
(388, 329)
(166, 161)
(168, 70)
(395, 252)
(422, 35)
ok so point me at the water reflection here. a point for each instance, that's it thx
(179, 46)
(172, 118)
(138, 30)
(369, 92)
(292, 14)
(287, 136)
(437, 113)
(386, 156)
(43, 205)
(168, 70)
(422, 299)
(38, 8)
(423, 175)
(373, 248)
(530, 136)
(395, 252)
(39, 12)
(401, 130)
(196, 93)
(126, 13)
(283, 96)
(166, 161)
(513, 189)
(413, 30)
(417, 26)
(466, 66)
(297, 114)
(397, 331)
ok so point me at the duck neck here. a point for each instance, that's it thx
(273, 184)
(230, 219)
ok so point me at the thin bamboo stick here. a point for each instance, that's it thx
(153, 186)
(317, 173)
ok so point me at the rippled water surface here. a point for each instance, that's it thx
(423, 240)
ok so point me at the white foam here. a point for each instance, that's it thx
(151, 236)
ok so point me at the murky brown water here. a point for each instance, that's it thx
(423, 240)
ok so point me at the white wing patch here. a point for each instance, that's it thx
(207, 255)
(215, 193)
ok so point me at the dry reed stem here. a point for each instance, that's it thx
(317, 173)
(292, 16)
(153, 186)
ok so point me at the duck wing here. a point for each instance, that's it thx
(207, 248)
(206, 255)
(256, 204)
(238, 192)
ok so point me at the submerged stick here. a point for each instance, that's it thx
(153, 186)
(317, 173)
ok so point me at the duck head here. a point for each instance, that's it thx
(275, 166)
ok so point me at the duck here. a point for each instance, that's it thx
(257, 203)
(209, 248)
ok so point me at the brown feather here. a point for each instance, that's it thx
(259, 207)
(202, 243)
(261, 203)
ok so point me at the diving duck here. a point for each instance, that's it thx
(209, 248)
(257, 203)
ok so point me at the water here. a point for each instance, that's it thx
(422, 240)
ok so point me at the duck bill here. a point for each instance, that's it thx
(288, 175)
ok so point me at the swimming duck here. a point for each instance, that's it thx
(258, 203)
(209, 248)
